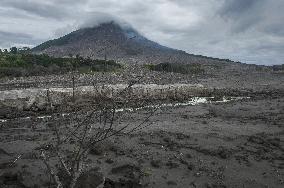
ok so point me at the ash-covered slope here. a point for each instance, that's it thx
(109, 38)
(118, 43)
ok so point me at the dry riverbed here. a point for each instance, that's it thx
(236, 143)
(229, 135)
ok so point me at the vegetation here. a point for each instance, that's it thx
(214, 58)
(178, 68)
(278, 67)
(69, 147)
(13, 64)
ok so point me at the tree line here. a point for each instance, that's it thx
(21, 63)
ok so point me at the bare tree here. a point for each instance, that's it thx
(99, 124)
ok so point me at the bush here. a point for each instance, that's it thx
(12, 72)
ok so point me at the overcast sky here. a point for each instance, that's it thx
(250, 31)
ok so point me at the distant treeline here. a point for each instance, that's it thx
(214, 58)
(207, 57)
(178, 68)
(278, 67)
(25, 64)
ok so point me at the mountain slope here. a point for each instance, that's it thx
(92, 42)
(117, 43)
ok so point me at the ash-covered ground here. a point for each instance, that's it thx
(227, 143)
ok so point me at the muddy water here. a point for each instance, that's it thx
(193, 101)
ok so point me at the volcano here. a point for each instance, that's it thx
(112, 41)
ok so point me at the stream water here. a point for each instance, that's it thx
(192, 102)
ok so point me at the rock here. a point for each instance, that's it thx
(97, 150)
(215, 185)
(109, 161)
(90, 179)
(103, 147)
(5, 112)
(167, 140)
(120, 152)
(141, 161)
(204, 122)
(190, 166)
(172, 164)
(121, 184)
(183, 161)
(181, 136)
(3, 152)
(9, 179)
(156, 163)
(130, 171)
(171, 183)
(185, 116)
(274, 141)
(224, 153)
(188, 155)
(256, 139)
(7, 165)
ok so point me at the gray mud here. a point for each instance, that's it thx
(233, 144)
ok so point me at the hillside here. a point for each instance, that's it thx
(117, 43)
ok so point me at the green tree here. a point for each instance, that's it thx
(24, 50)
(13, 50)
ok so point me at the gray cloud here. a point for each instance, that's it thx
(260, 15)
(36, 8)
(9, 39)
(235, 8)
(57, 9)
(243, 30)
(243, 14)
(92, 19)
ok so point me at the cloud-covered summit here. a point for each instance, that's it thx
(243, 30)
